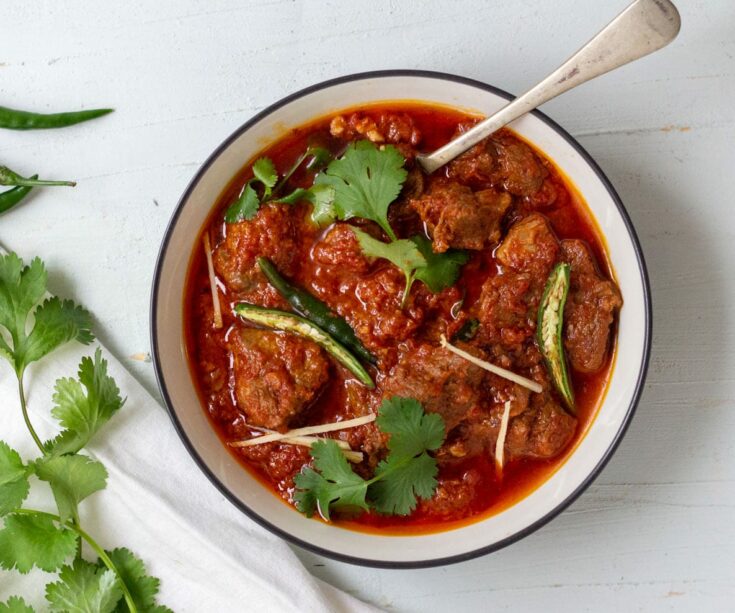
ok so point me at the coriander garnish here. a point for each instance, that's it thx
(408, 473)
(33, 538)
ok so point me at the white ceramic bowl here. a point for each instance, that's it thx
(260, 503)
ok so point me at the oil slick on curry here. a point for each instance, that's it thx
(414, 351)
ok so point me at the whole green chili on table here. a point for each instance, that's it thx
(13, 196)
(14, 119)
(21, 186)
(8, 177)
(315, 311)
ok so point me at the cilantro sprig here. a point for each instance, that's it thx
(408, 472)
(402, 253)
(415, 258)
(30, 538)
(366, 181)
(265, 186)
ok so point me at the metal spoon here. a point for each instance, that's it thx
(642, 28)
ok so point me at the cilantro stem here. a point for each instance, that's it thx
(389, 231)
(279, 186)
(406, 290)
(26, 418)
(110, 564)
(315, 152)
(95, 546)
(78, 556)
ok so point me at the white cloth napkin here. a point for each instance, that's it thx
(208, 555)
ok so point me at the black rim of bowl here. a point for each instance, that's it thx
(433, 561)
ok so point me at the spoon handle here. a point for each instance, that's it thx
(642, 28)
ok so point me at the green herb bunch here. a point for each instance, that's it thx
(31, 327)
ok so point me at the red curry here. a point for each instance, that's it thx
(515, 214)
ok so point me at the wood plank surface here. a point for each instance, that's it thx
(656, 531)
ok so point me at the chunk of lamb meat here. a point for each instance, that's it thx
(530, 246)
(477, 167)
(442, 381)
(542, 431)
(521, 171)
(272, 233)
(590, 309)
(505, 309)
(276, 375)
(368, 438)
(501, 160)
(479, 433)
(414, 185)
(377, 315)
(453, 497)
(340, 250)
(457, 217)
(281, 462)
(401, 213)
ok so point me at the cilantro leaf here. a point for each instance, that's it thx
(334, 486)
(320, 196)
(55, 321)
(83, 415)
(322, 199)
(366, 180)
(401, 481)
(72, 478)
(14, 484)
(409, 471)
(28, 540)
(245, 207)
(442, 269)
(142, 587)
(248, 202)
(15, 604)
(265, 172)
(412, 430)
(21, 288)
(84, 588)
(403, 253)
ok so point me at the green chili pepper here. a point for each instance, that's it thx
(549, 330)
(13, 196)
(288, 322)
(23, 120)
(320, 157)
(315, 311)
(8, 177)
(468, 331)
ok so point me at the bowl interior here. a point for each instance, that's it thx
(243, 489)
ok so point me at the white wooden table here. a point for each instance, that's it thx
(656, 530)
